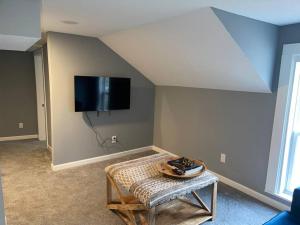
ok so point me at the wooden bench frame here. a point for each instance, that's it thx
(128, 207)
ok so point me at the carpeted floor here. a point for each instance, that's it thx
(35, 195)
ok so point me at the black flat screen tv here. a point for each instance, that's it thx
(101, 93)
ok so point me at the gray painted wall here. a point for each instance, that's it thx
(72, 137)
(203, 123)
(257, 39)
(17, 94)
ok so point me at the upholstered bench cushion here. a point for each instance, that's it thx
(142, 178)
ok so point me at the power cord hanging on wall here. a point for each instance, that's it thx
(101, 141)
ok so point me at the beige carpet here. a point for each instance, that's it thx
(35, 195)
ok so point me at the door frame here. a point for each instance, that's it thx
(40, 95)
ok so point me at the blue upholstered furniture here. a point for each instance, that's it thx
(289, 218)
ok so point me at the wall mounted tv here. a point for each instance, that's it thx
(101, 93)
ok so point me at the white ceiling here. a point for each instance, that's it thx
(20, 24)
(98, 17)
(16, 43)
(188, 51)
(173, 42)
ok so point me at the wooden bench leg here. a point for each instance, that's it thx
(200, 201)
(152, 216)
(214, 200)
(125, 209)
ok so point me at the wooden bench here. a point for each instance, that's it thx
(141, 190)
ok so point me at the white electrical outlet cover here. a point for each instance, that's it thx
(114, 139)
(223, 158)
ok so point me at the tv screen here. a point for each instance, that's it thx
(101, 93)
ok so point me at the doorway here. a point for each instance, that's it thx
(40, 94)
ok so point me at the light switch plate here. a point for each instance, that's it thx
(223, 158)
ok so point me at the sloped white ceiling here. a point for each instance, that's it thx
(193, 50)
(20, 24)
(99, 17)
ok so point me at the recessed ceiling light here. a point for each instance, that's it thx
(70, 22)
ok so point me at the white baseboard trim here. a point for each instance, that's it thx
(263, 198)
(98, 159)
(160, 150)
(16, 138)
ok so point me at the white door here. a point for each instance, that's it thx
(40, 93)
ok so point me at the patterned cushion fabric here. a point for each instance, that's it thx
(142, 178)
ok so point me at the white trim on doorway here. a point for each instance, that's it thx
(40, 94)
(50, 149)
